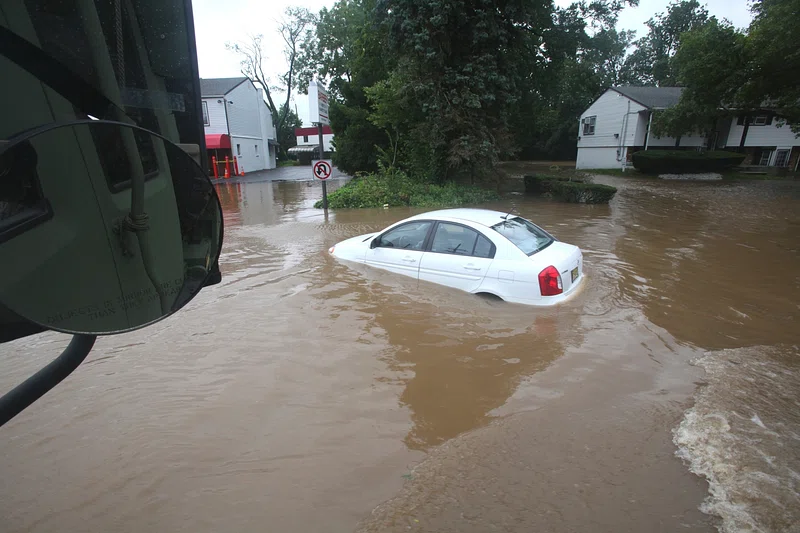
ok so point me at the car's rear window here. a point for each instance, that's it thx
(526, 235)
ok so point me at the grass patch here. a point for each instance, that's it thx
(288, 163)
(394, 188)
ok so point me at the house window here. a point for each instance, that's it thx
(760, 120)
(782, 158)
(588, 125)
(205, 114)
(766, 155)
(305, 138)
(238, 149)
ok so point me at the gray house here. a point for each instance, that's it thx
(238, 123)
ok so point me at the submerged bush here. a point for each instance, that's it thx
(540, 183)
(684, 161)
(569, 188)
(395, 188)
(582, 193)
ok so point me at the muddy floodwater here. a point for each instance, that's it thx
(303, 394)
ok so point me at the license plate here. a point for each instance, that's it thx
(574, 274)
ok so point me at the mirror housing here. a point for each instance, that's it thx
(108, 227)
(375, 242)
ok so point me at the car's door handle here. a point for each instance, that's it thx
(470, 267)
(409, 260)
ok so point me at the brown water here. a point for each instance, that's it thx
(303, 394)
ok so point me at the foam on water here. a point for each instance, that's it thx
(743, 436)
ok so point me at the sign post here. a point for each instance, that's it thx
(318, 109)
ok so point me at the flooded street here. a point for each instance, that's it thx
(305, 394)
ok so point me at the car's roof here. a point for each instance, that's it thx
(486, 217)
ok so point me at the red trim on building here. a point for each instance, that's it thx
(217, 141)
(299, 132)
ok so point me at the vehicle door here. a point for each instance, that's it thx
(400, 248)
(458, 256)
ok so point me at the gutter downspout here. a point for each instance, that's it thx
(623, 133)
(649, 129)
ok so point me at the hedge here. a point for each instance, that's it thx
(684, 161)
(540, 183)
(582, 193)
(395, 188)
(565, 189)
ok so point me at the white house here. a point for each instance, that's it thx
(238, 124)
(765, 140)
(618, 124)
(308, 141)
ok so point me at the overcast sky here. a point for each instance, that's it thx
(220, 21)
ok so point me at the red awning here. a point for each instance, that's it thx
(218, 140)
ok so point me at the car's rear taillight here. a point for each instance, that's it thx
(550, 282)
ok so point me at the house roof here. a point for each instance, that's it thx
(299, 132)
(219, 86)
(652, 97)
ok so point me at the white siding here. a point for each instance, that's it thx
(251, 157)
(243, 111)
(267, 129)
(313, 140)
(762, 135)
(610, 110)
(599, 157)
(216, 116)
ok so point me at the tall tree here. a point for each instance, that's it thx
(651, 61)
(459, 71)
(347, 50)
(727, 72)
(292, 29)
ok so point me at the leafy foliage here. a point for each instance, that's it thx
(651, 62)
(395, 188)
(684, 161)
(447, 88)
(727, 72)
(286, 137)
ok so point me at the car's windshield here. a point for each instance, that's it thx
(526, 235)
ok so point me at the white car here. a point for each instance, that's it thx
(475, 250)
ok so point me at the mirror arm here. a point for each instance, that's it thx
(36, 386)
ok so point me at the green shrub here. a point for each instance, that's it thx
(684, 161)
(540, 183)
(395, 188)
(582, 193)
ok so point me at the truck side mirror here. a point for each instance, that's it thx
(105, 227)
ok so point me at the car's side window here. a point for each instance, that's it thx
(454, 239)
(484, 248)
(409, 236)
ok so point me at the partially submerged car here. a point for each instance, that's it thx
(475, 250)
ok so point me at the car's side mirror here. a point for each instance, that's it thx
(104, 227)
(375, 242)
